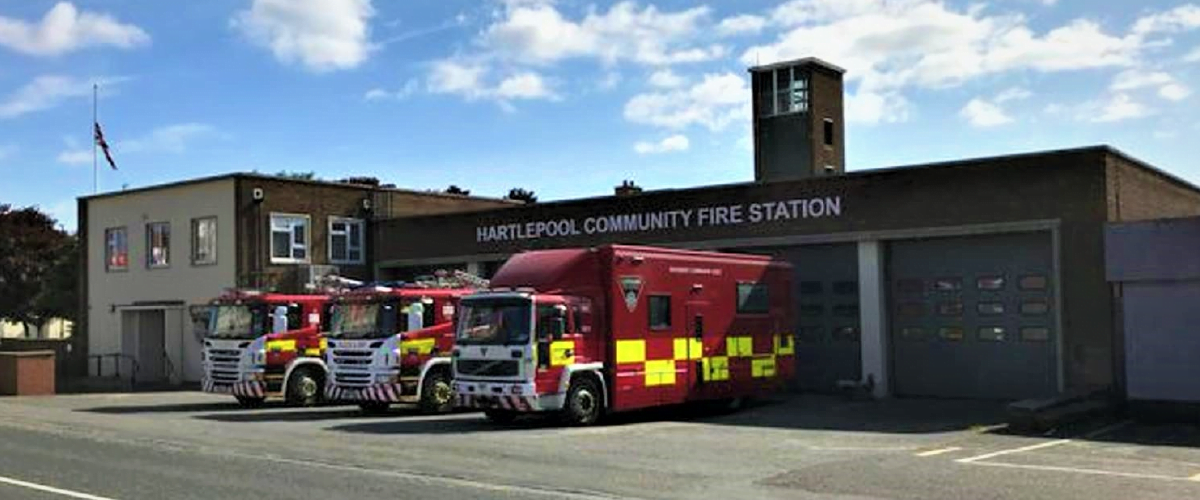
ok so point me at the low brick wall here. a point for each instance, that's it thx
(27, 373)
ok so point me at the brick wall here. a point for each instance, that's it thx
(1137, 193)
(827, 97)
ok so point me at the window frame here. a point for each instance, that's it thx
(362, 239)
(790, 92)
(196, 241)
(650, 299)
(150, 245)
(737, 299)
(108, 255)
(307, 246)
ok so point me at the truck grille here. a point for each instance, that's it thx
(487, 367)
(223, 365)
(351, 367)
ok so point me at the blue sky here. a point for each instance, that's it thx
(565, 97)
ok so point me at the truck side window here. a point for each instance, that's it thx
(752, 298)
(660, 312)
(545, 322)
(295, 317)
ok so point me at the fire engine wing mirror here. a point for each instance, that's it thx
(558, 325)
(279, 320)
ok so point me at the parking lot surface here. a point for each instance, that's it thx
(192, 445)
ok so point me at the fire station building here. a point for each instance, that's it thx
(981, 278)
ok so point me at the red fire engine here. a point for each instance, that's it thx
(589, 331)
(392, 345)
(265, 344)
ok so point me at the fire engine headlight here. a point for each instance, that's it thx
(260, 357)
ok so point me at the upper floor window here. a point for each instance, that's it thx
(783, 91)
(289, 238)
(116, 249)
(346, 240)
(204, 241)
(158, 244)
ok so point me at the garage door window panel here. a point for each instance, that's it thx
(846, 334)
(910, 287)
(811, 288)
(948, 284)
(990, 308)
(990, 283)
(991, 334)
(952, 333)
(913, 333)
(1034, 282)
(951, 309)
(1039, 307)
(1035, 334)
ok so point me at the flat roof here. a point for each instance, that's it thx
(254, 175)
(804, 61)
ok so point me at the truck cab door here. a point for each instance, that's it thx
(699, 338)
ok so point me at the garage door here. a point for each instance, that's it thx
(973, 317)
(826, 292)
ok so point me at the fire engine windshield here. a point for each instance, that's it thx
(494, 321)
(237, 322)
(362, 321)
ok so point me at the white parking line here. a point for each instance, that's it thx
(1194, 478)
(50, 489)
(941, 451)
(1051, 468)
(1022, 449)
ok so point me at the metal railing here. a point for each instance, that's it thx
(117, 358)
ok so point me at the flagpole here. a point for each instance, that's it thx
(95, 120)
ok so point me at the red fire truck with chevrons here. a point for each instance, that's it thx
(392, 345)
(265, 344)
(583, 332)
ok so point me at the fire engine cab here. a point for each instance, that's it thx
(392, 345)
(582, 332)
(265, 344)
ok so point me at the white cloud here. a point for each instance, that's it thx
(322, 35)
(745, 24)
(665, 78)
(65, 29)
(167, 139)
(1181, 18)
(715, 102)
(677, 142)
(379, 94)
(1168, 87)
(471, 81)
(46, 92)
(1119, 107)
(537, 33)
(982, 113)
(872, 108)
(985, 113)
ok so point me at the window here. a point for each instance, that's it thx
(116, 249)
(660, 312)
(845, 287)
(846, 333)
(1034, 307)
(812, 310)
(990, 308)
(158, 244)
(1033, 282)
(912, 333)
(1035, 334)
(991, 334)
(950, 333)
(204, 241)
(948, 284)
(990, 283)
(829, 132)
(910, 286)
(845, 310)
(289, 238)
(811, 288)
(952, 308)
(752, 298)
(811, 333)
(911, 310)
(783, 91)
(345, 240)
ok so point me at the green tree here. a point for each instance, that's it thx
(521, 194)
(454, 189)
(302, 176)
(31, 253)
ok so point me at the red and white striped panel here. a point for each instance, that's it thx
(249, 390)
(385, 393)
(514, 403)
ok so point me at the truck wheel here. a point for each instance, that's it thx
(374, 407)
(304, 387)
(584, 402)
(500, 416)
(437, 395)
(247, 402)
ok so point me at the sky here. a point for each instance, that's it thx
(567, 98)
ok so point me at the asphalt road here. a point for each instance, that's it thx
(195, 446)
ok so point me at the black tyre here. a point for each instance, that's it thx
(249, 402)
(584, 403)
(500, 416)
(374, 407)
(437, 393)
(304, 386)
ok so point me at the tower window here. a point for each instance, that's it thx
(828, 132)
(783, 91)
